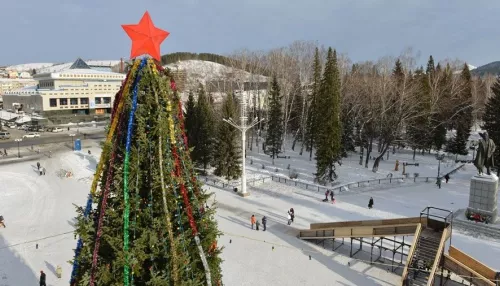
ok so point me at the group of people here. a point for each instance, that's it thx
(331, 194)
(255, 222)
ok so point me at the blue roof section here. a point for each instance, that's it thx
(79, 64)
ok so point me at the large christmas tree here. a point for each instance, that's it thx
(145, 222)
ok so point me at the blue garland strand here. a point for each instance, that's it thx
(79, 245)
(126, 268)
(88, 207)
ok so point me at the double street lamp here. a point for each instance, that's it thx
(18, 140)
(439, 157)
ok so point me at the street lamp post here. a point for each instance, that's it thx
(439, 157)
(242, 127)
(18, 140)
(72, 135)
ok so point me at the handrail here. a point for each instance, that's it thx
(410, 252)
(438, 257)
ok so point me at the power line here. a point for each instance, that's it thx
(261, 241)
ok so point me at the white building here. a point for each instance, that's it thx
(77, 90)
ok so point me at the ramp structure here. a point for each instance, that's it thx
(469, 268)
(424, 256)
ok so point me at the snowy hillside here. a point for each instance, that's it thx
(29, 67)
(204, 71)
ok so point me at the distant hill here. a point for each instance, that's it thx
(170, 59)
(491, 68)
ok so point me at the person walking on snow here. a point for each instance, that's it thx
(447, 178)
(332, 197)
(43, 171)
(2, 223)
(370, 203)
(38, 165)
(292, 213)
(257, 224)
(326, 195)
(253, 220)
(42, 278)
(264, 222)
(289, 218)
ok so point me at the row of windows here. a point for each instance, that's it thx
(91, 76)
(74, 101)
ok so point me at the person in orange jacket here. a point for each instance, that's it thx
(253, 220)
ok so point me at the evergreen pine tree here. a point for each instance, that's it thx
(150, 226)
(203, 152)
(190, 121)
(329, 131)
(312, 114)
(275, 124)
(228, 151)
(491, 120)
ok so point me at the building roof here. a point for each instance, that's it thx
(80, 69)
(79, 64)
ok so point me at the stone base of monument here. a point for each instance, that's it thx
(483, 196)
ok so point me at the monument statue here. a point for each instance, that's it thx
(484, 157)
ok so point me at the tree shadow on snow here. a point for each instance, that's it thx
(13, 269)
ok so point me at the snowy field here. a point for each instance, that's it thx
(38, 210)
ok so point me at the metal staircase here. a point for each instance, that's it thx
(428, 248)
(424, 256)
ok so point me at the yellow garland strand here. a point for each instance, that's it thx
(173, 244)
(112, 130)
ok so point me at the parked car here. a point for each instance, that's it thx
(57, 129)
(31, 135)
(4, 135)
(11, 125)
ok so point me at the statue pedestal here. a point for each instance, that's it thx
(483, 196)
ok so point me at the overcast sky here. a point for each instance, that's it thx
(62, 30)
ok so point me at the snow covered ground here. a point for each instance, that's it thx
(38, 210)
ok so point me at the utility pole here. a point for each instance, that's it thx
(242, 127)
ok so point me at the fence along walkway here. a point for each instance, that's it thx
(318, 188)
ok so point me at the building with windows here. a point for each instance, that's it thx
(76, 91)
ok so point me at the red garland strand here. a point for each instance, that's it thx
(105, 194)
(187, 205)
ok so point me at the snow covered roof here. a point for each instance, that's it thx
(28, 67)
(6, 115)
(90, 63)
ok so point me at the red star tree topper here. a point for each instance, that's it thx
(146, 38)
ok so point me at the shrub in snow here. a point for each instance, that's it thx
(263, 166)
(251, 161)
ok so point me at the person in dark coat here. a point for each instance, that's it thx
(326, 195)
(38, 165)
(264, 222)
(42, 278)
(292, 213)
(331, 196)
(447, 178)
(370, 203)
